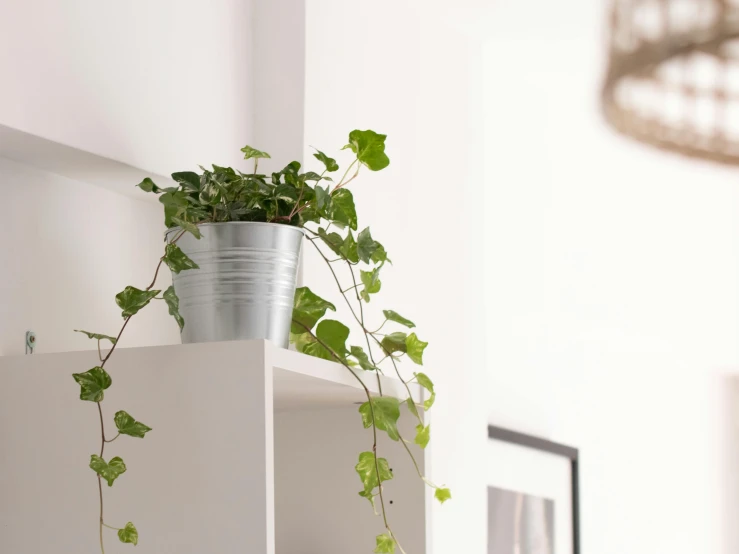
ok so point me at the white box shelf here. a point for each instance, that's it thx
(252, 452)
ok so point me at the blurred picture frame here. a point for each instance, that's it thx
(533, 490)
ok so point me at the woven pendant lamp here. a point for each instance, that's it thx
(673, 75)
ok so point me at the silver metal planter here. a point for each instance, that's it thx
(245, 286)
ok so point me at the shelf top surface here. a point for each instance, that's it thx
(78, 165)
(300, 382)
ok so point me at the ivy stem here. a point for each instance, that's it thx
(100, 409)
(102, 429)
(415, 463)
(295, 210)
(336, 278)
(348, 181)
(359, 319)
(397, 372)
(100, 490)
(100, 354)
(341, 181)
(361, 322)
(117, 340)
(380, 327)
(156, 273)
(340, 360)
(111, 527)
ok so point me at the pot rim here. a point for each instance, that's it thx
(208, 224)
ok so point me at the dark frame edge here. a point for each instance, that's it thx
(544, 445)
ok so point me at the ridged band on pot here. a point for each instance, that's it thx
(245, 286)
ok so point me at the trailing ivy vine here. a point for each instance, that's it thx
(94, 382)
(328, 215)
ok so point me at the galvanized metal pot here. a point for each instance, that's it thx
(245, 286)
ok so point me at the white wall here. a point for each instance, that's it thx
(160, 85)
(68, 249)
(613, 303)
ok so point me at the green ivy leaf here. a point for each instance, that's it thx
(177, 260)
(380, 255)
(187, 226)
(412, 407)
(397, 318)
(333, 240)
(173, 303)
(188, 179)
(386, 410)
(286, 193)
(228, 172)
(343, 210)
(147, 185)
(308, 308)
(330, 163)
(211, 194)
(333, 334)
(442, 495)
(426, 383)
(110, 471)
(175, 204)
(385, 544)
(366, 246)
(171, 213)
(313, 176)
(371, 282)
(429, 402)
(348, 248)
(97, 336)
(368, 474)
(371, 497)
(423, 435)
(174, 198)
(362, 358)
(323, 199)
(309, 215)
(369, 148)
(394, 342)
(415, 348)
(129, 534)
(127, 425)
(131, 300)
(290, 169)
(250, 152)
(301, 340)
(93, 384)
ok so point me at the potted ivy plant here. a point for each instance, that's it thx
(233, 243)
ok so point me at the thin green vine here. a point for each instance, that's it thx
(388, 542)
(94, 382)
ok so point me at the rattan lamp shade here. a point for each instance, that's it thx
(673, 75)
